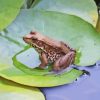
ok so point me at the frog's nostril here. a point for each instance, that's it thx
(25, 38)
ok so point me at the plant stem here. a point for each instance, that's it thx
(98, 24)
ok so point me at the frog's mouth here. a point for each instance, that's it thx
(27, 40)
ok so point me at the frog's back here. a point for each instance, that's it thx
(53, 53)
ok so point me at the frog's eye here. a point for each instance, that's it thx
(32, 33)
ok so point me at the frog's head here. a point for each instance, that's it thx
(33, 37)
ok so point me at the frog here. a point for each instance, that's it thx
(51, 51)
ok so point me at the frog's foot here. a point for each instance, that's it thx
(56, 66)
(42, 66)
(64, 62)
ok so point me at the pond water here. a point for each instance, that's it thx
(85, 88)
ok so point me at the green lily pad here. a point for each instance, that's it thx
(74, 31)
(63, 27)
(8, 11)
(10, 90)
(25, 76)
(85, 9)
(24, 60)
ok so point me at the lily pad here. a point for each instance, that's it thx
(74, 31)
(24, 60)
(12, 91)
(8, 11)
(11, 72)
(59, 26)
(85, 9)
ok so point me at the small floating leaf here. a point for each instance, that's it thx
(12, 91)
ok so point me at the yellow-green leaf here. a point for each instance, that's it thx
(8, 11)
(13, 91)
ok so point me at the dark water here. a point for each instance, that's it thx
(85, 88)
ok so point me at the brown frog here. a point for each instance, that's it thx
(51, 51)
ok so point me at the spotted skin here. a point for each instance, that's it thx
(51, 52)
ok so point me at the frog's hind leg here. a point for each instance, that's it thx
(44, 60)
(64, 62)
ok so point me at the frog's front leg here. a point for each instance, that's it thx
(44, 60)
(64, 61)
